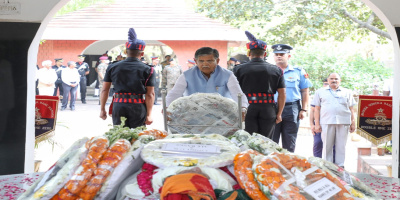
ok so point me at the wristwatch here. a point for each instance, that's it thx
(303, 110)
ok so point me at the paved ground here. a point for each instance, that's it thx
(85, 122)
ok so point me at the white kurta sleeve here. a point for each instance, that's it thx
(234, 89)
(178, 90)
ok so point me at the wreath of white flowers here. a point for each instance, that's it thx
(154, 154)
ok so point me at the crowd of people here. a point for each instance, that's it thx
(275, 97)
(63, 81)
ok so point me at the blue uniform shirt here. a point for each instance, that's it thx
(296, 79)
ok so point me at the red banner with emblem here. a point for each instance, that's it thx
(46, 108)
(375, 118)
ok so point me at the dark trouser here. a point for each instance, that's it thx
(134, 112)
(156, 91)
(37, 89)
(289, 126)
(261, 118)
(58, 84)
(318, 145)
(67, 90)
(82, 85)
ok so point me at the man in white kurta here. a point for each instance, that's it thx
(334, 118)
(47, 77)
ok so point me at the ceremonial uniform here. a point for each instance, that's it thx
(295, 79)
(58, 83)
(130, 78)
(83, 68)
(259, 81)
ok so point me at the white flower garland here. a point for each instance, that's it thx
(152, 153)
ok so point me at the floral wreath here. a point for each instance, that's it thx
(154, 154)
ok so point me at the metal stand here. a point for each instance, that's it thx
(164, 105)
(240, 110)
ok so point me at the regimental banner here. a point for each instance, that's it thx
(45, 116)
(375, 118)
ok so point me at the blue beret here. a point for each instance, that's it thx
(281, 48)
(254, 43)
(233, 59)
(134, 43)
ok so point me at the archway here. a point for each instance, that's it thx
(374, 5)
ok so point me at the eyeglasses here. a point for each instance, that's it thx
(326, 83)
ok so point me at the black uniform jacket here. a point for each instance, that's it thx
(258, 76)
(130, 76)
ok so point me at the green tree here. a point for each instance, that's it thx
(75, 5)
(357, 73)
(296, 21)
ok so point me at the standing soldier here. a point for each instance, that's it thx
(132, 80)
(101, 71)
(166, 61)
(83, 69)
(157, 73)
(260, 81)
(58, 68)
(297, 84)
(170, 74)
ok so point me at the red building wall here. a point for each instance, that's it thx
(66, 49)
(185, 50)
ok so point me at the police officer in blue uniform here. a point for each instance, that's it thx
(297, 84)
(133, 80)
(260, 81)
(58, 68)
(83, 69)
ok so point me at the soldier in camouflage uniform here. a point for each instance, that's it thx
(101, 70)
(170, 74)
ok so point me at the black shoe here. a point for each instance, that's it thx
(62, 109)
(84, 102)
